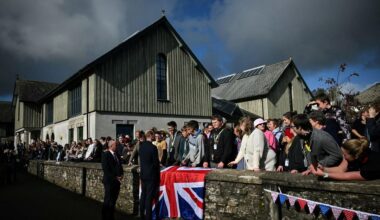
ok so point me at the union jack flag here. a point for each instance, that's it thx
(181, 192)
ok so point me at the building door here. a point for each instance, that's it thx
(71, 135)
(124, 129)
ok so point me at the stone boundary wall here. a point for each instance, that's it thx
(229, 194)
(86, 179)
(248, 200)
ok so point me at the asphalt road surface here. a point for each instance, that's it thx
(33, 198)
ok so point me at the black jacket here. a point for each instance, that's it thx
(111, 168)
(373, 126)
(226, 150)
(149, 163)
(296, 156)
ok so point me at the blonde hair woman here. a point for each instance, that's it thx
(359, 163)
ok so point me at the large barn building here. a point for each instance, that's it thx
(146, 81)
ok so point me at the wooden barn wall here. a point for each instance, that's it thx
(60, 107)
(32, 117)
(127, 81)
(278, 97)
(256, 106)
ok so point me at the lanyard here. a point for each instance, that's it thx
(216, 139)
(175, 135)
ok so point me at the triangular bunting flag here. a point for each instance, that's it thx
(373, 217)
(311, 206)
(301, 203)
(349, 214)
(283, 198)
(274, 196)
(336, 212)
(292, 200)
(324, 209)
(362, 215)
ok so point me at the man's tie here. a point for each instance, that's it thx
(115, 157)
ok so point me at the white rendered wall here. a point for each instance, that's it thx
(106, 123)
(61, 129)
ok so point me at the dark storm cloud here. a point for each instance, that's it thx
(50, 40)
(317, 34)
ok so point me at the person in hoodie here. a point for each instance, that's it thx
(196, 145)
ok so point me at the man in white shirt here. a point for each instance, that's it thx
(90, 150)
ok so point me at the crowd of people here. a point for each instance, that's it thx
(314, 142)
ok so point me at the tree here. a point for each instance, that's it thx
(338, 97)
(334, 86)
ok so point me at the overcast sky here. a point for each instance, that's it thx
(49, 40)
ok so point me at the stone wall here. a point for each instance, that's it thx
(86, 179)
(229, 194)
(248, 200)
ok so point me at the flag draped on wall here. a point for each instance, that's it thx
(182, 192)
(323, 208)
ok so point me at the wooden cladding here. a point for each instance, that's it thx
(49, 113)
(75, 101)
(127, 81)
(32, 117)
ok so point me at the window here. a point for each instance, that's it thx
(75, 101)
(18, 111)
(290, 90)
(162, 93)
(49, 113)
(80, 133)
(71, 135)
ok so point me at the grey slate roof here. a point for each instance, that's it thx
(6, 113)
(32, 91)
(370, 95)
(258, 84)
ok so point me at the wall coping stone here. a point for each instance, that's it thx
(88, 165)
(262, 178)
(313, 182)
(236, 176)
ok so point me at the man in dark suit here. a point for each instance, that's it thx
(112, 176)
(150, 176)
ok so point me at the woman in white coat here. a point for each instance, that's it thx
(246, 148)
(264, 156)
(254, 148)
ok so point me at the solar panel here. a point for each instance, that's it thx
(224, 79)
(252, 72)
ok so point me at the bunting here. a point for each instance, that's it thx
(283, 198)
(323, 208)
(336, 212)
(292, 200)
(274, 196)
(362, 215)
(311, 205)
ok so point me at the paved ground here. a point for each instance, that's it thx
(33, 198)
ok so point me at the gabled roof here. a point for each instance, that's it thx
(82, 73)
(251, 83)
(32, 91)
(370, 95)
(6, 113)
